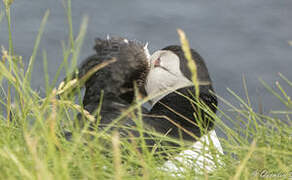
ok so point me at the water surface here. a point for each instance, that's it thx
(236, 38)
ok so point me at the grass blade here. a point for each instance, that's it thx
(36, 46)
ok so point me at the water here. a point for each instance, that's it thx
(243, 37)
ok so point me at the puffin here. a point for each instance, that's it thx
(163, 77)
(170, 77)
(169, 74)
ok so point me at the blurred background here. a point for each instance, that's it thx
(236, 38)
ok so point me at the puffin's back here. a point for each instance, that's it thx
(116, 79)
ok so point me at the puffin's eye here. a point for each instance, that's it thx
(157, 62)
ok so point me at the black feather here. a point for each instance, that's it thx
(116, 80)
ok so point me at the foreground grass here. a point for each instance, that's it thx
(32, 145)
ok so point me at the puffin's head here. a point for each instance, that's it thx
(169, 71)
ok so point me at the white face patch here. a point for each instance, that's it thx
(165, 75)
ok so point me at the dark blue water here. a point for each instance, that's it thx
(242, 37)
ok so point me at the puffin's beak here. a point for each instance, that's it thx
(146, 50)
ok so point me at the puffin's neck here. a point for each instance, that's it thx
(167, 91)
(182, 110)
(177, 102)
(173, 98)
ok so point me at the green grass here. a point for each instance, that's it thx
(31, 145)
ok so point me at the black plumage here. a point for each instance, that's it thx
(180, 109)
(115, 79)
(116, 82)
(203, 74)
